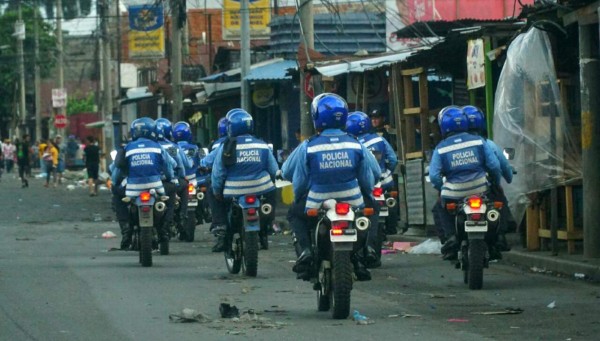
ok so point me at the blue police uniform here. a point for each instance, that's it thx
(208, 160)
(252, 173)
(177, 154)
(332, 165)
(384, 154)
(146, 163)
(191, 152)
(505, 167)
(464, 159)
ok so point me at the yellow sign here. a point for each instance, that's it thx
(260, 16)
(146, 31)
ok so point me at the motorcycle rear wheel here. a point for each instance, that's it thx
(233, 255)
(250, 254)
(341, 284)
(146, 246)
(190, 226)
(477, 250)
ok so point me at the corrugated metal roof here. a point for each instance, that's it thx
(234, 74)
(440, 28)
(274, 71)
(339, 67)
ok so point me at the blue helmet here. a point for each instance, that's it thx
(222, 126)
(240, 123)
(452, 120)
(143, 127)
(164, 128)
(475, 117)
(182, 132)
(358, 123)
(233, 111)
(329, 111)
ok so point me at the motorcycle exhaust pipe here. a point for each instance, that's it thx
(160, 206)
(390, 202)
(200, 195)
(266, 209)
(362, 223)
(493, 215)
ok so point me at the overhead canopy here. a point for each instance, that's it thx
(274, 71)
(440, 28)
(234, 74)
(339, 67)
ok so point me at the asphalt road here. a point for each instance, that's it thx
(59, 280)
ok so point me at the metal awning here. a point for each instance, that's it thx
(365, 64)
(274, 71)
(101, 124)
(234, 74)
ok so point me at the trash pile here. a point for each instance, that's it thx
(429, 246)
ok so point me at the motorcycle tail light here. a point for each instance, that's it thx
(251, 214)
(377, 191)
(498, 204)
(368, 211)
(451, 206)
(394, 194)
(338, 227)
(476, 216)
(191, 188)
(475, 202)
(250, 199)
(145, 196)
(342, 208)
(251, 211)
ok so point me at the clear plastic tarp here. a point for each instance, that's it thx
(530, 116)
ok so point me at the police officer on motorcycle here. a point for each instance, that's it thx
(164, 133)
(143, 162)
(182, 135)
(465, 161)
(359, 125)
(477, 126)
(243, 165)
(350, 178)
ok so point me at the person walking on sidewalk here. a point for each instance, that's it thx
(8, 149)
(91, 156)
(60, 167)
(24, 160)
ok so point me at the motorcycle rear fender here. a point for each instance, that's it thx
(145, 219)
(242, 202)
(332, 216)
(342, 246)
(468, 210)
(476, 235)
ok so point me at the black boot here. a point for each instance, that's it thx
(303, 262)
(371, 259)
(219, 232)
(361, 272)
(450, 248)
(263, 239)
(126, 235)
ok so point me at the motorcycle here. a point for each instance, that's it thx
(241, 240)
(187, 228)
(477, 223)
(145, 212)
(385, 201)
(333, 239)
(203, 213)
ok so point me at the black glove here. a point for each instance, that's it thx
(219, 196)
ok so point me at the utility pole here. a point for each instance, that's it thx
(20, 33)
(119, 40)
(176, 60)
(107, 100)
(589, 69)
(245, 53)
(37, 77)
(59, 48)
(308, 38)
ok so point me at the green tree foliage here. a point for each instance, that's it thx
(9, 67)
(77, 104)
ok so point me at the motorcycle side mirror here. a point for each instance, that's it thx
(509, 153)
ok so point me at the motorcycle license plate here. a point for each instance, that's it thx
(384, 212)
(146, 217)
(476, 226)
(192, 202)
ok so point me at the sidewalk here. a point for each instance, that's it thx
(536, 261)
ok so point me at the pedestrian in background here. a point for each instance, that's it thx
(50, 158)
(60, 168)
(9, 155)
(91, 157)
(1, 158)
(41, 148)
(24, 159)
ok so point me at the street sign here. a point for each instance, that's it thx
(59, 98)
(60, 121)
